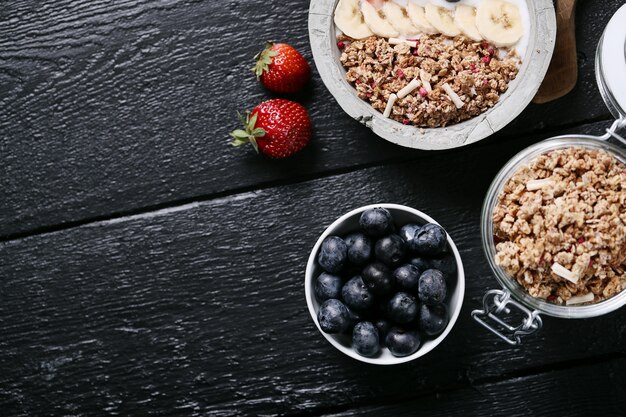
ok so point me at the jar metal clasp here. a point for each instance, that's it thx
(497, 305)
(618, 124)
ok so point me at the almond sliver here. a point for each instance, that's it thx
(453, 96)
(579, 299)
(409, 88)
(397, 41)
(564, 273)
(534, 185)
(390, 103)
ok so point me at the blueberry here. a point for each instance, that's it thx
(376, 222)
(402, 342)
(407, 277)
(432, 287)
(333, 254)
(359, 248)
(407, 232)
(378, 279)
(356, 295)
(445, 264)
(353, 319)
(327, 286)
(350, 271)
(365, 339)
(383, 327)
(333, 316)
(390, 250)
(430, 240)
(433, 319)
(421, 263)
(402, 308)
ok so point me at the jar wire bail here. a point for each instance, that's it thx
(496, 305)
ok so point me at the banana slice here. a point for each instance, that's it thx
(349, 20)
(399, 18)
(499, 22)
(376, 22)
(418, 18)
(442, 19)
(465, 20)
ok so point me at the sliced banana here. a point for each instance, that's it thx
(418, 18)
(377, 22)
(499, 22)
(399, 18)
(442, 19)
(349, 20)
(465, 20)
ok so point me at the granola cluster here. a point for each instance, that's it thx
(566, 212)
(476, 72)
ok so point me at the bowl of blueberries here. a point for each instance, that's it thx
(384, 284)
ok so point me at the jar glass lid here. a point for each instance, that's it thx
(611, 64)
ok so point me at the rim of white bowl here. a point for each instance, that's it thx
(308, 283)
(521, 91)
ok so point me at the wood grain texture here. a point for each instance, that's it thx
(563, 71)
(555, 393)
(200, 309)
(114, 107)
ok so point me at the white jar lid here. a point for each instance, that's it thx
(611, 64)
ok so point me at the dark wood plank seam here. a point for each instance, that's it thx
(527, 372)
(262, 186)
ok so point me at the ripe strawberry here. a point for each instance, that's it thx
(278, 128)
(281, 68)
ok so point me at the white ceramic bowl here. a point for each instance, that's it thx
(348, 223)
(535, 62)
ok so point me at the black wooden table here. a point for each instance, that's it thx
(148, 268)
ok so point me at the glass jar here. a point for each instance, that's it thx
(501, 306)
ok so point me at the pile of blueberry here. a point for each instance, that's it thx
(385, 288)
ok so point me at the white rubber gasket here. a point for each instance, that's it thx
(613, 60)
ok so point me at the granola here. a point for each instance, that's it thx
(560, 226)
(476, 72)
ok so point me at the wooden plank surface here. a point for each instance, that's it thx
(200, 309)
(110, 108)
(555, 393)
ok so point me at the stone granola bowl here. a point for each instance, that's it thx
(535, 62)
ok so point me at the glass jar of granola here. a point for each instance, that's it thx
(554, 220)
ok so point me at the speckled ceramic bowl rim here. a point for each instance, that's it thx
(521, 91)
(458, 294)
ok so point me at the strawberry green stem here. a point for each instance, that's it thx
(263, 60)
(249, 134)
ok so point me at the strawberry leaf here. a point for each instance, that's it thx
(259, 132)
(264, 60)
(254, 144)
(250, 134)
(251, 121)
(239, 142)
(239, 134)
